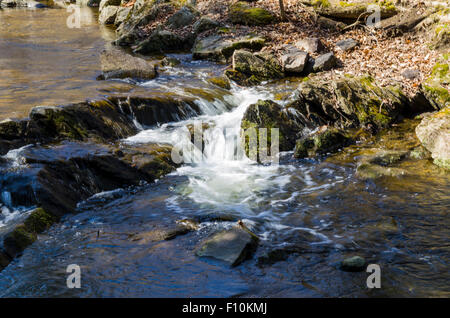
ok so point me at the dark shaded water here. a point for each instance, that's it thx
(309, 215)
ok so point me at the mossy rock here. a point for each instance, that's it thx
(220, 81)
(261, 66)
(367, 171)
(351, 10)
(326, 141)
(435, 88)
(16, 241)
(349, 102)
(39, 220)
(242, 13)
(268, 114)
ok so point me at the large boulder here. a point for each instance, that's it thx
(349, 102)
(204, 24)
(434, 134)
(436, 87)
(242, 13)
(351, 10)
(103, 120)
(268, 114)
(218, 48)
(231, 246)
(118, 64)
(108, 15)
(254, 67)
(183, 17)
(161, 41)
(325, 140)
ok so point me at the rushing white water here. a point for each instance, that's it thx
(221, 174)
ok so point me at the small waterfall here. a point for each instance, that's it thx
(221, 174)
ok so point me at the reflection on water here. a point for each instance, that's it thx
(44, 62)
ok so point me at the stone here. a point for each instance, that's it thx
(350, 10)
(294, 61)
(204, 24)
(261, 67)
(435, 88)
(366, 171)
(183, 17)
(241, 13)
(326, 140)
(108, 15)
(347, 44)
(218, 48)
(325, 62)
(122, 15)
(411, 74)
(268, 114)
(106, 3)
(231, 246)
(353, 264)
(348, 102)
(118, 64)
(161, 41)
(330, 24)
(310, 45)
(220, 81)
(434, 134)
(170, 61)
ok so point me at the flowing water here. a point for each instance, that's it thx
(308, 214)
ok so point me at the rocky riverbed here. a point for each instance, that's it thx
(89, 177)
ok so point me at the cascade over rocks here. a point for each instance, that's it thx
(103, 120)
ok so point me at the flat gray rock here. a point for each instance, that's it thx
(118, 64)
(347, 44)
(231, 246)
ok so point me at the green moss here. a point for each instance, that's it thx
(440, 71)
(321, 3)
(388, 5)
(220, 81)
(20, 237)
(39, 221)
(241, 13)
(346, 4)
(444, 163)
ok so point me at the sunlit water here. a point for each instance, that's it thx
(316, 209)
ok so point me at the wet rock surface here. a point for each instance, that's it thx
(231, 246)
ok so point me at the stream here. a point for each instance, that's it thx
(319, 206)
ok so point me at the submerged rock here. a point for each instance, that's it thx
(241, 13)
(326, 140)
(353, 264)
(231, 246)
(118, 64)
(367, 170)
(434, 134)
(218, 48)
(220, 81)
(183, 227)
